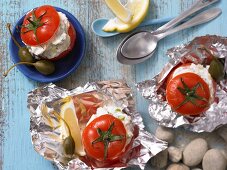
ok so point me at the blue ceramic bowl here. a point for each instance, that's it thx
(65, 66)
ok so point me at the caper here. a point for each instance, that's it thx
(216, 70)
(23, 53)
(43, 66)
(69, 145)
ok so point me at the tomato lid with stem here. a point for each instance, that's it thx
(39, 25)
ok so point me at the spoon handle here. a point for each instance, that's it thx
(197, 6)
(155, 21)
(201, 18)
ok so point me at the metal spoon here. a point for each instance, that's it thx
(135, 46)
(152, 39)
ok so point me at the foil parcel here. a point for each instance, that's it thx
(154, 91)
(45, 131)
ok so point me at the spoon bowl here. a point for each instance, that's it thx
(139, 45)
(122, 59)
(97, 26)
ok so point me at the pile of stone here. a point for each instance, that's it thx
(195, 155)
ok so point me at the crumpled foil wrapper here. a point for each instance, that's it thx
(46, 140)
(154, 90)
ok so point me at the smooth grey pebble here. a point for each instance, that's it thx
(165, 134)
(177, 167)
(175, 154)
(224, 152)
(214, 160)
(194, 152)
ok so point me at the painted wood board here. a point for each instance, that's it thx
(100, 63)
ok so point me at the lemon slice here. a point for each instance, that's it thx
(119, 10)
(138, 8)
(68, 113)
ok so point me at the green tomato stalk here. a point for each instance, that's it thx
(106, 137)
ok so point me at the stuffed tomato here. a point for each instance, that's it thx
(108, 135)
(101, 133)
(48, 34)
(190, 89)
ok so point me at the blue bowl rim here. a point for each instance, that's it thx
(78, 28)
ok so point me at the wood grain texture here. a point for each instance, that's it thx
(100, 63)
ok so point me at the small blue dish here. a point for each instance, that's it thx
(65, 66)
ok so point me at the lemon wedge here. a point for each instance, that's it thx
(119, 10)
(68, 113)
(138, 8)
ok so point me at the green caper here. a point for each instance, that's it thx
(216, 70)
(43, 66)
(69, 145)
(23, 53)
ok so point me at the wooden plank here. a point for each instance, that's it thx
(16, 151)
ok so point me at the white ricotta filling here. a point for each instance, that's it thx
(57, 44)
(200, 71)
(116, 112)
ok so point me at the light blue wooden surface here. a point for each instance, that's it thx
(100, 63)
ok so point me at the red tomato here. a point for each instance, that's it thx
(40, 25)
(199, 98)
(86, 105)
(92, 133)
(72, 34)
